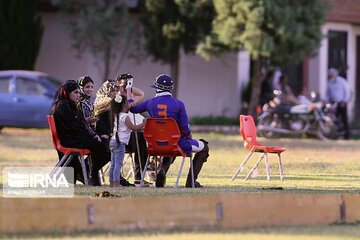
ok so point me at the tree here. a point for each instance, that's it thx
(170, 25)
(103, 28)
(276, 32)
(20, 34)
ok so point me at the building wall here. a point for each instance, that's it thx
(206, 87)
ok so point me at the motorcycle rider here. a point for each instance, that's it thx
(338, 91)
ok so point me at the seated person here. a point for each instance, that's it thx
(74, 132)
(287, 96)
(164, 105)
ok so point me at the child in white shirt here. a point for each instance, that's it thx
(121, 134)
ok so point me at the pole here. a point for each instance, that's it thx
(137, 146)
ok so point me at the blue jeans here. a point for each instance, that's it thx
(117, 157)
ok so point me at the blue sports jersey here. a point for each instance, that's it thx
(164, 105)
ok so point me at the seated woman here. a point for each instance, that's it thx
(102, 110)
(74, 132)
(85, 105)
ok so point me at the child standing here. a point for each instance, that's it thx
(121, 135)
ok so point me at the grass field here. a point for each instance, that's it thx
(310, 166)
(344, 232)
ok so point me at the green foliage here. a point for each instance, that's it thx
(276, 32)
(171, 24)
(102, 28)
(214, 120)
(20, 34)
(282, 31)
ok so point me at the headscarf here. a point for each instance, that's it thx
(83, 98)
(63, 94)
(103, 99)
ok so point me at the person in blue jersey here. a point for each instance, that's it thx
(164, 105)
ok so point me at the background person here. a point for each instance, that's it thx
(287, 96)
(267, 89)
(164, 105)
(74, 132)
(338, 91)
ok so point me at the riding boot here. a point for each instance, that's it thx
(161, 175)
(198, 162)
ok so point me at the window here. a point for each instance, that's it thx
(27, 86)
(338, 51)
(4, 84)
(52, 82)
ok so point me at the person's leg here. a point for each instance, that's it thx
(75, 164)
(202, 153)
(342, 112)
(161, 175)
(112, 166)
(119, 157)
(143, 155)
(99, 158)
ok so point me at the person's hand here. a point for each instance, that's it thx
(97, 138)
(105, 136)
(129, 83)
(92, 120)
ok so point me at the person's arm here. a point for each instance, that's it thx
(347, 90)
(129, 96)
(140, 108)
(184, 121)
(138, 94)
(133, 127)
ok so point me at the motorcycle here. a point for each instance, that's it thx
(331, 112)
(277, 118)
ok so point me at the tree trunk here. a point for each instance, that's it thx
(256, 88)
(174, 73)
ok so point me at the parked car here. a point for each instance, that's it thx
(25, 98)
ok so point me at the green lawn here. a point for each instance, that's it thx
(335, 232)
(310, 165)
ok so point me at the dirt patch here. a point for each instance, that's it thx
(105, 194)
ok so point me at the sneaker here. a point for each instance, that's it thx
(161, 179)
(197, 185)
(145, 183)
(126, 183)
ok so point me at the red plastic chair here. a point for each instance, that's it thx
(162, 136)
(69, 153)
(248, 132)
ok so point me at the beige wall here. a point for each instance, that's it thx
(206, 88)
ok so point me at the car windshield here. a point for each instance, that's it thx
(52, 82)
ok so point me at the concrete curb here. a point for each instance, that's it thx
(223, 211)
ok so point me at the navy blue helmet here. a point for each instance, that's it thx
(163, 82)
